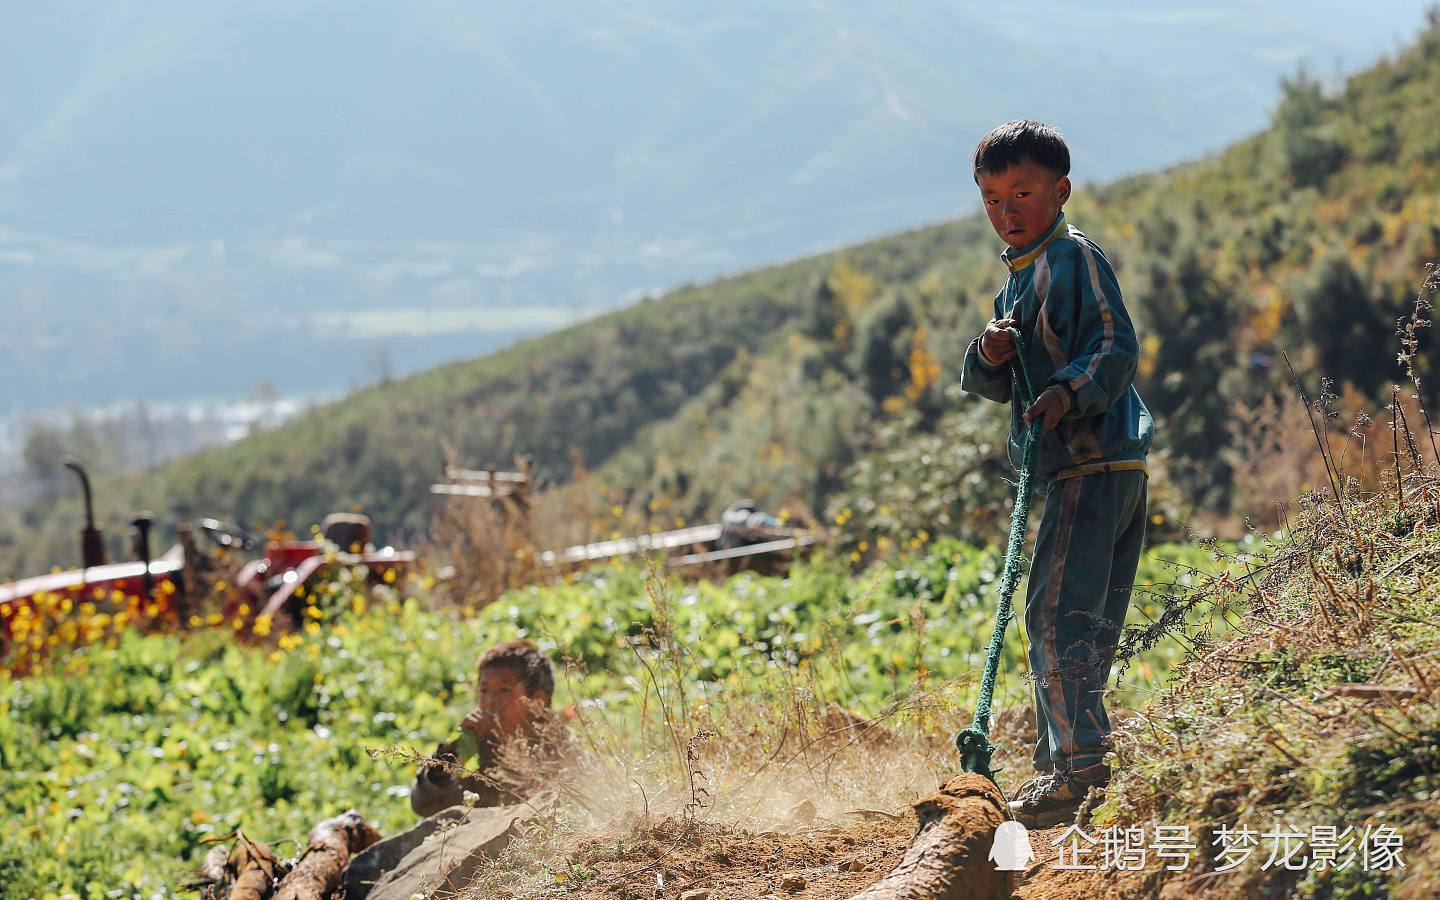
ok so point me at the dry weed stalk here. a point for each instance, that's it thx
(1409, 330)
(482, 546)
(487, 546)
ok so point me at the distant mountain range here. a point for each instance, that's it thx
(198, 197)
(823, 387)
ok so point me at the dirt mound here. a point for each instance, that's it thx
(952, 831)
(1043, 881)
(824, 862)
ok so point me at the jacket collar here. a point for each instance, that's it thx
(1016, 260)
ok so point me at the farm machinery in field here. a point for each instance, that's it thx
(174, 586)
(744, 538)
(246, 580)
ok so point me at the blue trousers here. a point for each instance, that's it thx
(1079, 591)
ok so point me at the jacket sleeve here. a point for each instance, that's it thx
(1085, 312)
(977, 377)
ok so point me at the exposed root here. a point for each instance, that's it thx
(949, 856)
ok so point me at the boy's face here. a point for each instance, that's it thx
(502, 698)
(1023, 201)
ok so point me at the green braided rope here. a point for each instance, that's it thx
(973, 743)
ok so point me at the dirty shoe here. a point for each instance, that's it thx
(1055, 798)
(1030, 787)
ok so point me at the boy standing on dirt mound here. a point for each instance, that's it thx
(1081, 352)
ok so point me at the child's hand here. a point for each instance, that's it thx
(1049, 406)
(445, 753)
(476, 722)
(996, 345)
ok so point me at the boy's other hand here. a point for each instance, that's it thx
(477, 723)
(1049, 406)
(996, 346)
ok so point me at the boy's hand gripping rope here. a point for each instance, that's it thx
(974, 742)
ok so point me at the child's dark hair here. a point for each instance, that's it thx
(526, 660)
(1019, 140)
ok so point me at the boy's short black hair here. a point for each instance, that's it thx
(1019, 140)
(526, 660)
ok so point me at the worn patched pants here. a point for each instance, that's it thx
(1080, 583)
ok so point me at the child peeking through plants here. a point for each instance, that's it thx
(1081, 352)
(512, 733)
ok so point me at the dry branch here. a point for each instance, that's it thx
(254, 867)
(318, 872)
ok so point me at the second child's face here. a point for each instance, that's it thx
(1023, 201)
(502, 698)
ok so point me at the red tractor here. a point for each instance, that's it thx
(81, 604)
(274, 581)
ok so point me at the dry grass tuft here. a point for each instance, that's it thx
(1319, 708)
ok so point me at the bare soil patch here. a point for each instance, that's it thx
(825, 861)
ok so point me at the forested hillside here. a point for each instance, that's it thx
(809, 385)
(1305, 239)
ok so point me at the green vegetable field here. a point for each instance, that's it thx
(118, 763)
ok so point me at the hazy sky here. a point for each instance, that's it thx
(184, 174)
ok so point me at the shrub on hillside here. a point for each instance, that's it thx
(1310, 145)
(914, 484)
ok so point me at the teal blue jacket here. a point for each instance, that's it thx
(1078, 335)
